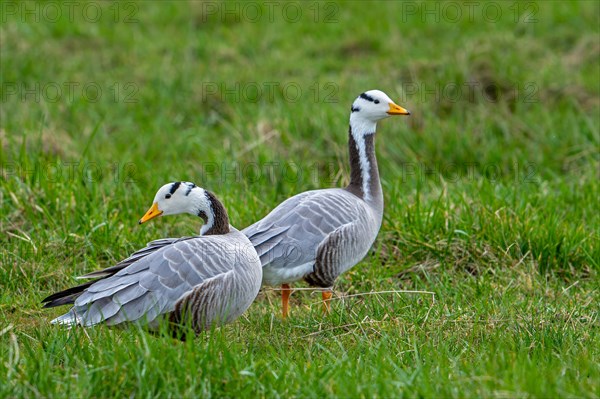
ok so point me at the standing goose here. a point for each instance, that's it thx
(317, 235)
(213, 278)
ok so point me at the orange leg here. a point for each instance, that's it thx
(286, 291)
(326, 295)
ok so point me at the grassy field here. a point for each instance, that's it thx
(491, 190)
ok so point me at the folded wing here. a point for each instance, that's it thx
(153, 283)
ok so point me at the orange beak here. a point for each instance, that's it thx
(151, 214)
(397, 110)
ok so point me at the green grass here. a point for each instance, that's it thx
(491, 193)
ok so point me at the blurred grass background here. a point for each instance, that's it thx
(491, 189)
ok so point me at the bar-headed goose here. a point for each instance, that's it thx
(213, 278)
(317, 235)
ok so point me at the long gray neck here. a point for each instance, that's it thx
(364, 175)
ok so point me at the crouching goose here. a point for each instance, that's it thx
(317, 235)
(212, 278)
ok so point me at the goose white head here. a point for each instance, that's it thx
(178, 197)
(182, 197)
(371, 107)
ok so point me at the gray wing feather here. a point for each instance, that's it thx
(129, 294)
(97, 311)
(264, 250)
(134, 310)
(150, 248)
(153, 284)
(90, 296)
(301, 224)
(263, 236)
(109, 283)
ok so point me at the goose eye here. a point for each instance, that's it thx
(168, 196)
(376, 101)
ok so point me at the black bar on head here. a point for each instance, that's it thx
(174, 187)
(367, 97)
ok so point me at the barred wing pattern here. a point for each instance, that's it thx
(289, 238)
(225, 266)
(150, 248)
